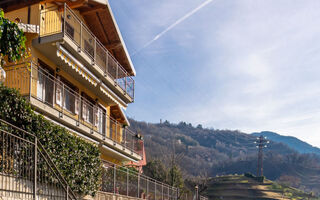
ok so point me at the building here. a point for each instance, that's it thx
(80, 74)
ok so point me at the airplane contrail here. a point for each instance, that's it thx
(174, 25)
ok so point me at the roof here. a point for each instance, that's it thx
(119, 114)
(101, 21)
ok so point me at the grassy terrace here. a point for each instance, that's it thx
(241, 187)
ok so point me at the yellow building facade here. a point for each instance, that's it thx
(80, 74)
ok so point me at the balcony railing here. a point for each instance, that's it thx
(123, 181)
(54, 21)
(36, 82)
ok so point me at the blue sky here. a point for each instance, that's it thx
(234, 64)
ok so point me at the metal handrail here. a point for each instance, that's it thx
(110, 65)
(111, 124)
(46, 156)
(158, 191)
(121, 168)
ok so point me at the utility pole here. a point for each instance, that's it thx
(197, 192)
(261, 143)
(173, 161)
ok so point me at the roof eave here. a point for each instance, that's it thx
(121, 39)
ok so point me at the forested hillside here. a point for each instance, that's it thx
(210, 152)
(292, 142)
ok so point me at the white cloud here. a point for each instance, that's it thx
(245, 64)
(269, 75)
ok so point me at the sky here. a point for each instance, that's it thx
(244, 65)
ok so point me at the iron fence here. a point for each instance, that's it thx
(26, 170)
(124, 181)
(36, 82)
(54, 21)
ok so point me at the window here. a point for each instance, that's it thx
(101, 120)
(87, 108)
(69, 30)
(45, 83)
(67, 95)
(88, 47)
(59, 94)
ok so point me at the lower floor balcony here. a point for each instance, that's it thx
(53, 98)
(120, 181)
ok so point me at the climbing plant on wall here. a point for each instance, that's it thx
(78, 160)
(12, 41)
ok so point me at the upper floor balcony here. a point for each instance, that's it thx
(62, 29)
(56, 100)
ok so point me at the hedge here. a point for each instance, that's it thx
(78, 160)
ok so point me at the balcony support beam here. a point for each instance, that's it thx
(93, 10)
(114, 45)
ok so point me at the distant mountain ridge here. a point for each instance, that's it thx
(202, 152)
(293, 142)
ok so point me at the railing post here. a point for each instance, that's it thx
(106, 69)
(117, 73)
(116, 131)
(93, 118)
(177, 193)
(125, 87)
(62, 100)
(127, 182)
(138, 185)
(43, 87)
(80, 36)
(147, 187)
(67, 192)
(35, 169)
(133, 87)
(64, 18)
(80, 110)
(133, 141)
(95, 50)
(54, 92)
(30, 82)
(162, 191)
(114, 179)
(155, 190)
(125, 137)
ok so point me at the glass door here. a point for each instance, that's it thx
(101, 120)
(45, 83)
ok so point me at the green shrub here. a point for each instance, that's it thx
(249, 175)
(78, 160)
(12, 40)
